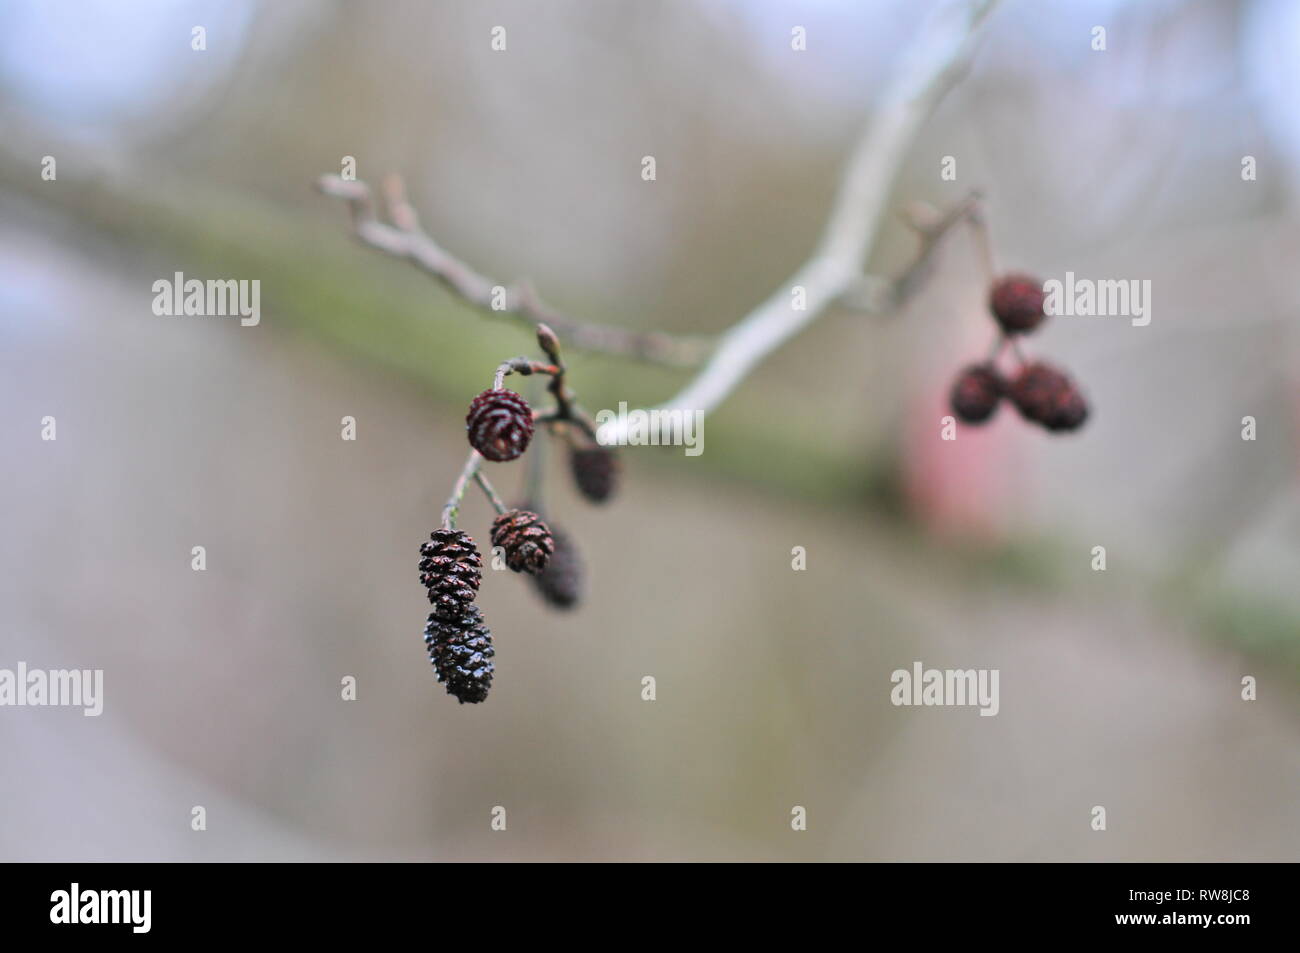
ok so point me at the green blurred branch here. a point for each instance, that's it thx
(405, 239)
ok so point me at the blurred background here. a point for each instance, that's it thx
(222, 688)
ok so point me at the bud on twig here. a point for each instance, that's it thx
(549, 343)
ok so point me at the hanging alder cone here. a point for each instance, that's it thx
(976, 393)
(1017, 302)
(596, 471)
(1047, 396)
(451, 569)
(500, 424)
(525, 538)
(561, 583)
(461, 652)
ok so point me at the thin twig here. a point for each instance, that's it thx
(405, 238)
(980, 226)
(931, 227)
(522, 365)
(874, 294)
(467, 472)
(534, 482)
(486, 486)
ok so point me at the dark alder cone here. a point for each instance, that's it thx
(561, 582)
(1047, 396)
(1017, 303)
(525, 538)
(461, 652)
(976, 393)
(596, 471)
(451, 569)
(1070, 412)
(500, 424)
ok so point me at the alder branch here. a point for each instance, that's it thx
(452, 508)
(931, 226)
(932, 65)
(832, 275)
(406, 239)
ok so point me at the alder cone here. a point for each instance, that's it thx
(596, 471)
(1047, 396)
(563, 580)
(499, 424)
(525, 538)
(1017, 303)
(461, 652)
(976, 393)
(451, 569)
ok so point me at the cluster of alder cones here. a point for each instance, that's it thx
(500, 426)
(1042, 393)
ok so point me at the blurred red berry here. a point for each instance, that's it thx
(1047, 396)
(976, 393)
(1017, 303)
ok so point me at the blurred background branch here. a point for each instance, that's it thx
(405, 239)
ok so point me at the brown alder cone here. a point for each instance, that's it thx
(1017, 302)
(976, 393)
(461, 652)
(1045, 395)
(499, 425)
(525, 538)
(596, 471)
(563, 580)
(451, 569)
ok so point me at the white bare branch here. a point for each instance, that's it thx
(929, 69)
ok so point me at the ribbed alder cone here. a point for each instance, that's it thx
(451, 569)
(1017, 302)
(1047, 396)
(461, 652)
(596, 471)
(525, 538)
(500, 424)
(976, 393)
(561, 583)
